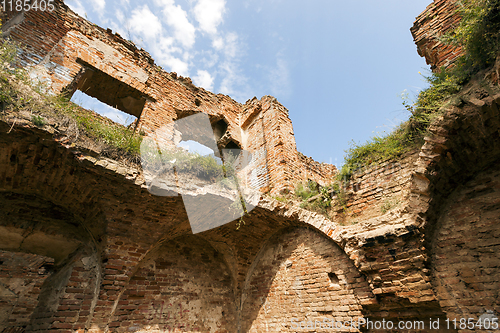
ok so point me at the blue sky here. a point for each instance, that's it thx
(339, 67)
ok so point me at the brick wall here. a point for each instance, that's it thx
(465, 247)
(322, 173)
(184, 285)
(435, 21)
(21, 278)
(376, 188)
(301, 274)
(138, 268)
(66, 53)
(68, 297)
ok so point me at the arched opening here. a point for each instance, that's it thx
(302, 275)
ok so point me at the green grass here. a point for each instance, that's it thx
(388, 205)
(123, 139)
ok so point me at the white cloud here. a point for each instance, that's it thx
(118, 28)
(119, 15)
(174, 64)
(279, 77)
(77, 7)
(209, 58)
(204, 79)
(209, 14)
(231, 45)
(184, 31)
(99, 5)
(144, 22)
(218, 43)
(234, 83)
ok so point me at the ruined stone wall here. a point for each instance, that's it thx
(282, 156)
(465, 248)
(300, 276)
(435, 21)
(126, 260)
(67, 53)
(183, 285)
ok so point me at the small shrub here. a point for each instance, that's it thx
(478, 33)
(388, 205)
(280, 199)
(306, 191)
(340, 195)
(38, 121)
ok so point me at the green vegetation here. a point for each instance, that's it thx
(205, 167)
(118, 140)
(121, 140)
(307, 191)
(38, 121)
(320, 199)
(388, 205)
(479, 35)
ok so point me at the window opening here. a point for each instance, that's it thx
(92, 103)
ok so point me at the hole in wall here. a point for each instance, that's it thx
(234, 147)
(108, 90)
(334, 279)
(325, 313)
(46, 269)
(392, 252)
(195, 147)
(91, 103)
(1, 262)
(219, 129)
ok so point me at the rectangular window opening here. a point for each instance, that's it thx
(92, 103)
(96, 90)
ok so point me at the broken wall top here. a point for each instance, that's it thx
(435, 21)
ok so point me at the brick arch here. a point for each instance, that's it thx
(48, 210)
(462, 148)
(301, 274)
(465, 141)
(183, 284)
(50, 200)
(462, 143)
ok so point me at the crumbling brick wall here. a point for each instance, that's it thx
(322, 173)
(376, 188)
(127, 260)
(435, 21)
(465, 247)
(68, 53)
(301, 276)
(183, 285)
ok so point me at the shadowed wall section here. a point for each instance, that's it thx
(466, 247)
(303, 275)
(184, 285)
